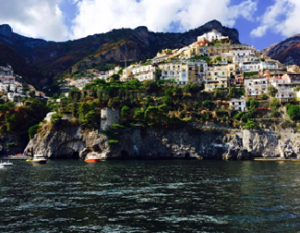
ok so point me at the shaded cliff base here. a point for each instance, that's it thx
(191, 142)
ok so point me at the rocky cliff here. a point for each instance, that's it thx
(136, 44)
(189, 142)
(287, 51)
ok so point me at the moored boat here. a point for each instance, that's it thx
(6, 164)
(92, 158)
(39, 159)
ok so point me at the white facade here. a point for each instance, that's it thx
(237, 104)
(183, 71)
(256, 87)
(211, 36)
(139, 72)
(285, 91)
(258, 66)
(241, 53)
(252, 66)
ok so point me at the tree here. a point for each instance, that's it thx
(208, 104)
(294, 112)
(84, 108)
(125, 111)
(115, 77)
(150, 85)
(74, 94)
(217, 59)
(253, 103)
(75, 109)
(274, 104)
(272, 91)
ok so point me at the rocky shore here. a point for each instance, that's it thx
(191, 142)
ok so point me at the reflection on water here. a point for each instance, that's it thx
(150, 196)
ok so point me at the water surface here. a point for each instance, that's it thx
(150, 196)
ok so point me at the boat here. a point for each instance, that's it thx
(40, 159)
(92, 158)
(6, 164)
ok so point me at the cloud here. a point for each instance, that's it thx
(281, 18)
(35, 18)
(96, 16)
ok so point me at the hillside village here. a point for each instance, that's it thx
(214, 62)
(13, 88)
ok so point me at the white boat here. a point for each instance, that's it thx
(6, 164)
(40, 159)
(92, 158)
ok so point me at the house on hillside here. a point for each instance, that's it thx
(256, 86)
(238, 104)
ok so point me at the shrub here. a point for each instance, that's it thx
(111, 142)
(287, 124)
(32, 130)
(294, 112)
(11, 144)
(251, 125)
(208, 104)
(117, 126)
(274, 104)
(125, 111)
(238, 116)
(55, 118)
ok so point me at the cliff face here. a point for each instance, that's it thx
(54, 58)
(188, 142)
(287, 51)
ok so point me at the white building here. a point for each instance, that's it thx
(238, 104)
(140, 72)
(258, 66)
(285, 91)
(213, 35)
(256, 86)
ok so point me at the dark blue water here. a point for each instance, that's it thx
(150, 196)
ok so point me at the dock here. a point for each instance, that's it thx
(15, 157)
(275, 160)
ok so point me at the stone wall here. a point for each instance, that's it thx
(109, 117)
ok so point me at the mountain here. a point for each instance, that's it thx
(54, 59)
(287, 51)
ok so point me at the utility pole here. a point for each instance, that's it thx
(126, 58)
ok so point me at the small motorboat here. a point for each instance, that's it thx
(6, 164)
(39, 159)
(92, 158)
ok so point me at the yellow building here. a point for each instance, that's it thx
(217, 76)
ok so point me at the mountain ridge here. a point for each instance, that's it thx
(55, 59)
(286, 51)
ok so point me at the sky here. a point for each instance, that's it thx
(259, 22)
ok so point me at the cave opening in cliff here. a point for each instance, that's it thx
(74, 155)
(124, 154)
(187, 156)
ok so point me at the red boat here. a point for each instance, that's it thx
(92, 158)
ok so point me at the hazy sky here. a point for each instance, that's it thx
(260, 22)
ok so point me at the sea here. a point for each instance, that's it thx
(150, 196)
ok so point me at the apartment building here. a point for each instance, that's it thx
(140, 72)
(183, 72)
(256, 86)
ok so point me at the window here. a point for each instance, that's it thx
(216, 73)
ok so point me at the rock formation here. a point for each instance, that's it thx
(150, 143)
